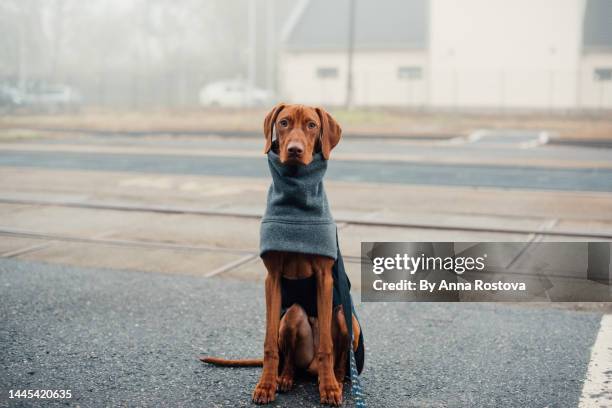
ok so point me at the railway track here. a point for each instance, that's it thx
(48, 239)
(542, 231)
(243, 255)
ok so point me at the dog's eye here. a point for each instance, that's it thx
(284, 123)
(312, 125)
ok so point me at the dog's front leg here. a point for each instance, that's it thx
(265, 390)
(329, 389)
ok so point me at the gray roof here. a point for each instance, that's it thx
(597, 27)
(379, 24)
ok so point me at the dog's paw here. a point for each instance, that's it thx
(285, 382)
(330, 392)
(265, 392)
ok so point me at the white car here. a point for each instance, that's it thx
(234, 94)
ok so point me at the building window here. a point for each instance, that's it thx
(410, 73)
(602, 74)
(327, 72)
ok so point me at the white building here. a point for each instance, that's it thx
(390, 59)
(468, 54)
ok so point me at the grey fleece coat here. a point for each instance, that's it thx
(297, 217)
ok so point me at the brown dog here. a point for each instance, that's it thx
(317, 345)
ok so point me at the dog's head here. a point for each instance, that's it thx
(300, 132)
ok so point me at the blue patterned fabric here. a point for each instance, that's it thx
(356, 388)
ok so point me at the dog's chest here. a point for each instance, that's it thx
(298, 283)
(297, 266)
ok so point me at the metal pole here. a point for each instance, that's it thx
(58, 31)
(351, 46)
(271, 46)
(252, 60)
(22, 59)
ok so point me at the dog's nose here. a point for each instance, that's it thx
(295, 149)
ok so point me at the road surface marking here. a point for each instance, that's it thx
(541, 140)
(477, 135)
(597, 389)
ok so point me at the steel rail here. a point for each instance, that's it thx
(247, 254)
(607, 235)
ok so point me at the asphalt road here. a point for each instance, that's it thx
(131, 339)
(541, 178)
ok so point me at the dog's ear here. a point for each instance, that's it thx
(269, 125)
(330, 132)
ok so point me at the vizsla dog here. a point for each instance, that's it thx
(314, 338)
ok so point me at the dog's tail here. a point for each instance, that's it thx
(232, 363)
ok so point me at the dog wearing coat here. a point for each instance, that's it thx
(310, 324)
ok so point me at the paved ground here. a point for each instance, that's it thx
(106, 243)
(131, 339)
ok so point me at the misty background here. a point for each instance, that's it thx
(424, 54)
(138, 53)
